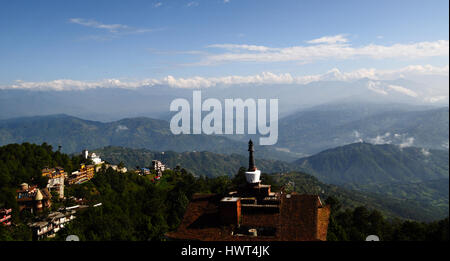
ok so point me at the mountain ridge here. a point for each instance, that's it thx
(74, 134)
(364, 163)
(314, 130)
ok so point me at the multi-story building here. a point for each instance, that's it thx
(32, 198)
(158, 166)
(85, 173)
(56, 179)
(49, 226)
(55, 172)
(5, 216)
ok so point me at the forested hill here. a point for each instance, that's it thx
(21, 163)
(413, 205)
(136, 208)
(364, 163)
(203, 163)
(429, 203)
(74, 134)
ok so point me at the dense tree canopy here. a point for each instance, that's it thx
(137, 207)
(356, 224)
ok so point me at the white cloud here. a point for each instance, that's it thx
(402, 140)
(98, 25)
(407, 143)
(257, 48)
(403, 90)
(121, 128)
(328, 47)
(200, 82)
(112, 28)
(357, 136)
(191, 4)
(67, 84)
(425, 152)
(375, 87)
(436, 98)
(259, 79)
(415, 69)
(329, 40)
(158, 4)
(381, 139)
(445, 144)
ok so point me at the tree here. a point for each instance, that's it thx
(121, 165)
(334, 203)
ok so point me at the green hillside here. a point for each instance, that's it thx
(389, 205)
(75, 134)
(213, 165)
(203, 163)
(434, 193)
(364, 163)
(135, 208)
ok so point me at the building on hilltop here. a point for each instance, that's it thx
(158, 166)
(56, 177)
(32, 198)
(55, 172)
(95, 159)
(85, 173)
(254, 213)
(114, 167)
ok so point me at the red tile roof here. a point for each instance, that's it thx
(298, 218)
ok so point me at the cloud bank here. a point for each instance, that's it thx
(327, 47)
(258, 79)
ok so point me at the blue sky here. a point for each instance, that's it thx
(43, 41)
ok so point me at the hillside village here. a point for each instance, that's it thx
(38, 200)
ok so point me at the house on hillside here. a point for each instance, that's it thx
(56, 177)
(32, 198)
(50, 225)
(85, 173)
(158, 166)
(5, 216)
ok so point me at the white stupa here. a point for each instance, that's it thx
(252, 175)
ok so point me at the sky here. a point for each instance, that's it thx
(203, 43)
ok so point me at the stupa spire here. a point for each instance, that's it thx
(251, 159)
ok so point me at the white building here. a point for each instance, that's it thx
(54, 222)
(158, 166)
(56, 184)
(95, 159)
